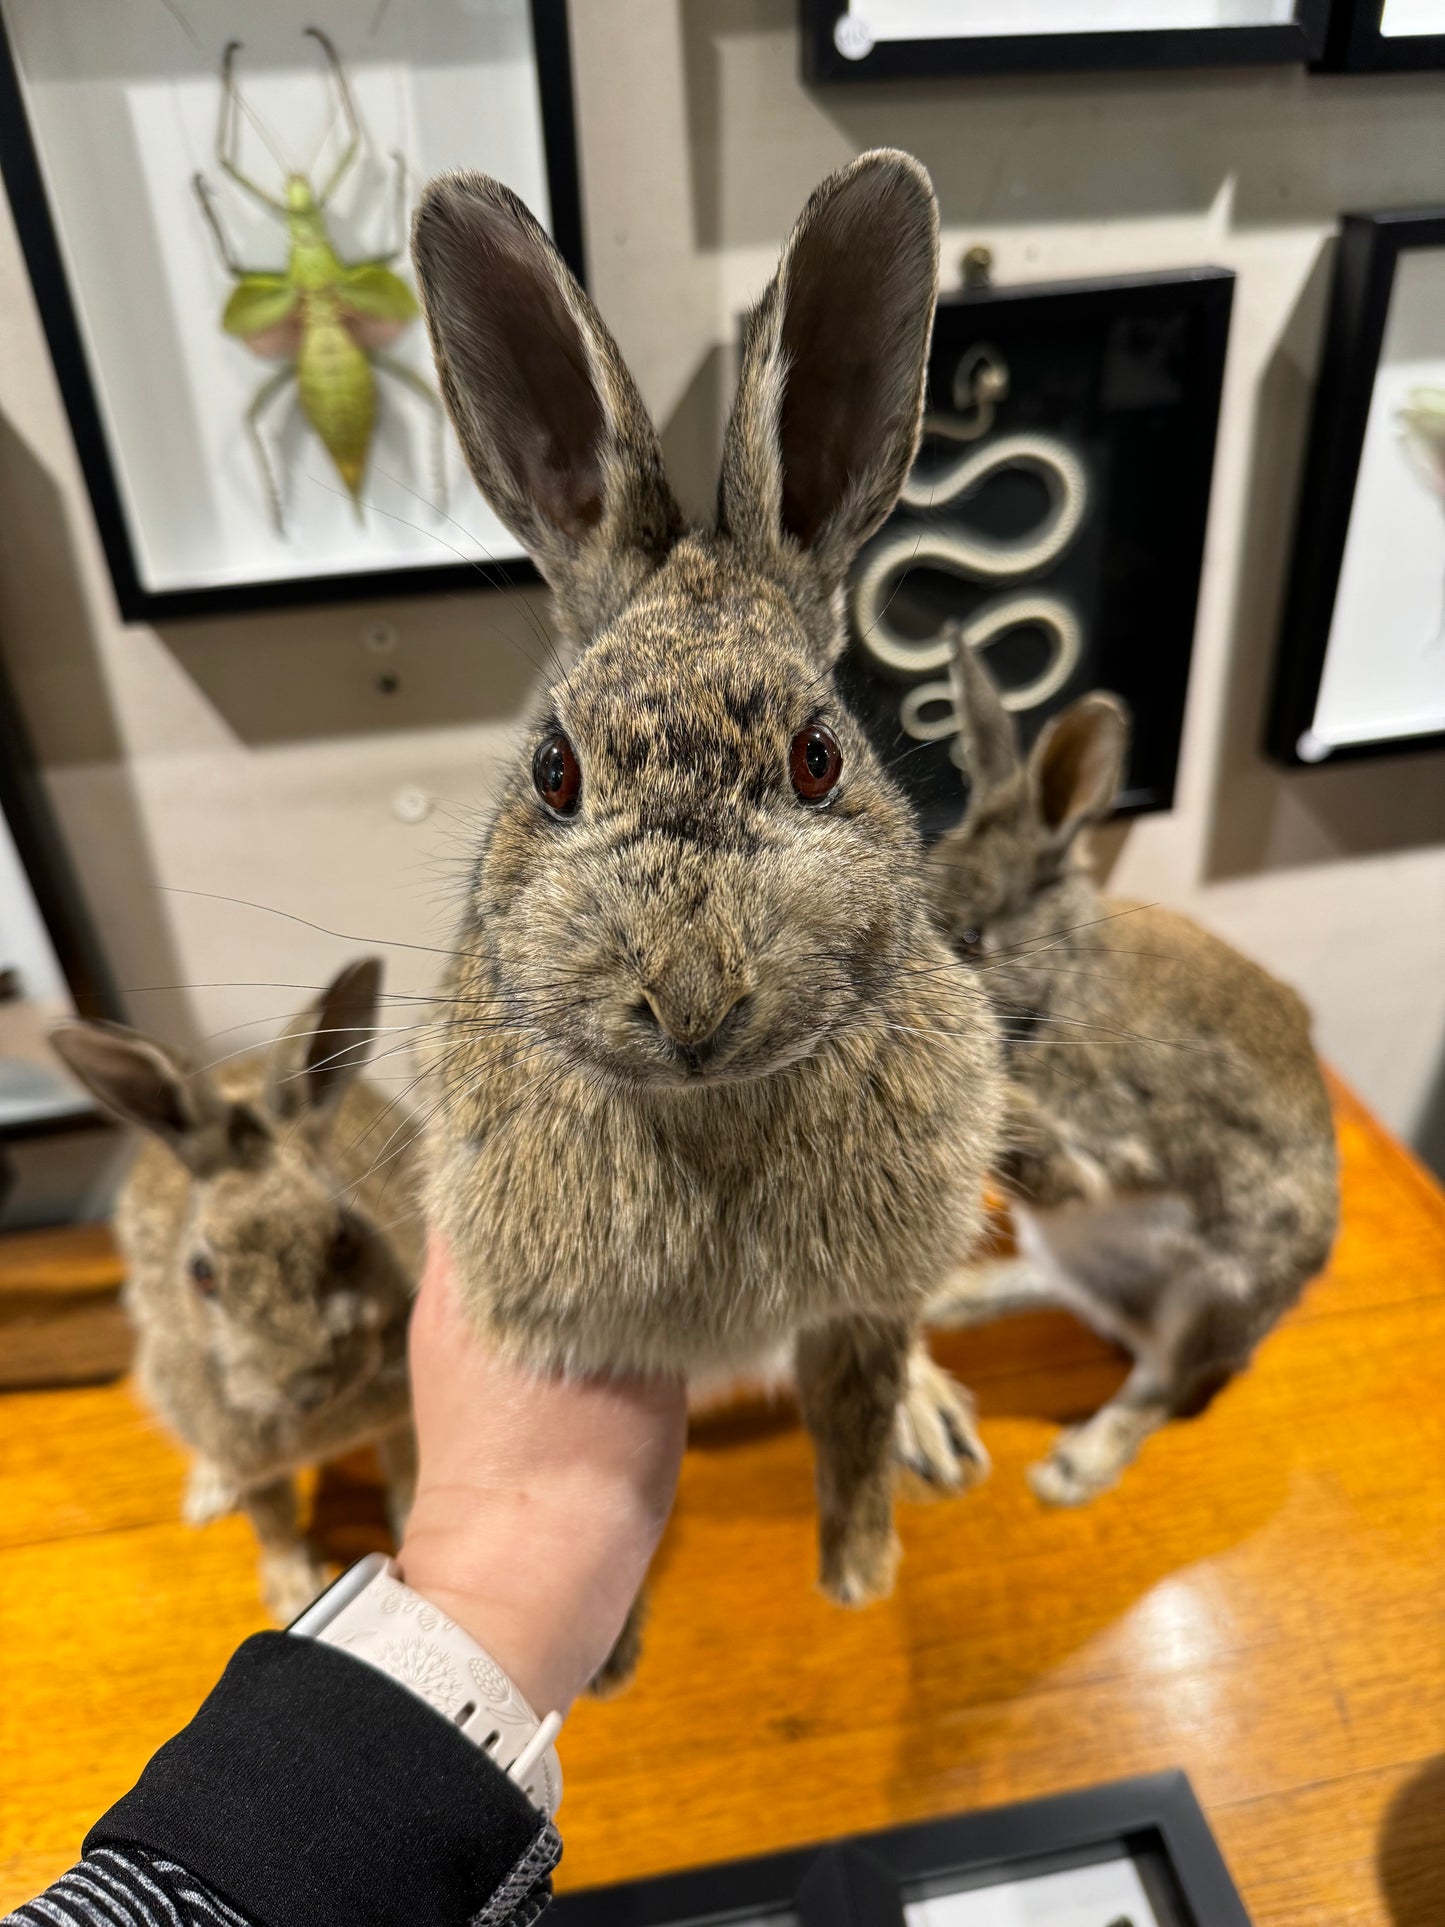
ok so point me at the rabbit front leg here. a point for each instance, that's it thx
(1038, 1159)
(210, 1493)
(291, 1576)
(617, 1669)
(852, 1376)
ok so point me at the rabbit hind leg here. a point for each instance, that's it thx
(996, 1288)
(291, 1575)
(1199, 1337)
(935, 1439)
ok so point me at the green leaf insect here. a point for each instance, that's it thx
(328, 321)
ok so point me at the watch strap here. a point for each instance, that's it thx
(373, 1614)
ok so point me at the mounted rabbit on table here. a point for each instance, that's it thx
(1171, 1147)
(271, 1256)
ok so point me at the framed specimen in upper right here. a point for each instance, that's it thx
(908, 39)
(1361, 669)
(1384, 36)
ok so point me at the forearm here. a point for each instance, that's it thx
(311, 1791)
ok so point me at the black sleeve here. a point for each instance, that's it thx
(312, 1791)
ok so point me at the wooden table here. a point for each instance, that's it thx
(1261, 1603)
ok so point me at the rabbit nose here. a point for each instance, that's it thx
(694, 1023)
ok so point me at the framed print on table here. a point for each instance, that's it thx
(1384, 36)
(178, 169)
(1054, 519)
(1138, 1853)
(1361, 666)
(916, 39)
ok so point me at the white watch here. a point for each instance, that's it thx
(370, 1613)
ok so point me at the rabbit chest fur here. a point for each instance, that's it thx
(610, 1223)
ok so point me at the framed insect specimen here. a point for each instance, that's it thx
(1055, 517)
(1138, 1853)
(213, 205)
(907, 39)
(1381, 36)
(1361, 666)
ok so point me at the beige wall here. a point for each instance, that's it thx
(256, 758)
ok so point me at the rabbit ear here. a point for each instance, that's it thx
(825, 425)
(323, 1048)
(1077, 764)
(142, 1083)
(550, 421)
(985, 727)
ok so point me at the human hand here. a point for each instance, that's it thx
(539, 1500)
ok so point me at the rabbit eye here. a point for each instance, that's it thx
(203, 1274)
(343, 1251)
(815, 762)
(557, 774)
(971, 942)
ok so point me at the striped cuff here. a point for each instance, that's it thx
(116, 1887)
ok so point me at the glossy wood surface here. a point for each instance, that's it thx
(1262, 1602)
(61, 1321)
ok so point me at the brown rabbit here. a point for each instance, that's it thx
(269, 1276)
(1171, 1143)
(709, 1079)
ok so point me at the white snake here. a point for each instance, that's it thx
(981, 558)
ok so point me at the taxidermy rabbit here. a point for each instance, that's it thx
(1170, 1139)
(267, 1281)
(709, 1079)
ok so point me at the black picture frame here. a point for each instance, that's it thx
(866, 1880)
(25, 185)
(1367, 256)
(50, 875)
(1134, 570)
(1355, 44)
(1296, 42)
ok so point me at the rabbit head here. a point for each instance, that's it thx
(698, 869)
(1013, 872)
(276, 1274)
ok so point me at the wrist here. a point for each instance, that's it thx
(542, 1586)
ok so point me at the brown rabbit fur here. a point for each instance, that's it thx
(709, 1080)
(1171, 1142)
(269, 1270)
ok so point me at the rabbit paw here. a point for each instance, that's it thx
(209, 1494)
(290, 1581)
(1071, 1474)
(934, 1436)
(858, 1574)
(617, 1669)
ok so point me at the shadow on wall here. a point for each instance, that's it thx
(1429, 1140)
(1265, 817)
(692, 435)
(357, 669)
(50, 651)
(1008, 149)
